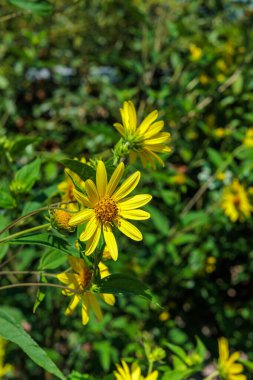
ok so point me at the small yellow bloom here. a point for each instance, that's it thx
(145, 140)
(196, 52)
(5, 369)
(204, 79)
(210, 264)
(227, 368)
(221, 65)
(134, 373)
(80, 282)
(106, 207)
(221, 176)
(164, 316)
(235, 202)
(60, 219)
(248, 139)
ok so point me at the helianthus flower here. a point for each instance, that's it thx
(80, 282)
(106, 208)
(235, 202)
(227, 368)
(144, 140)
(134, 373)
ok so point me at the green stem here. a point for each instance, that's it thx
(38, 284)
(5, 240)
(6, 272)
(212, 376)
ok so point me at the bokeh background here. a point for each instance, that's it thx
(65, 71)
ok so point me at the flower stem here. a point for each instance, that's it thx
(212, 375)
(37, 284)
(7, 238)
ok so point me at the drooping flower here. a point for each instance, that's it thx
(106, 207)
(235, 202)
(134, 373)
(227, 368)
(80, 281)
(145, 140)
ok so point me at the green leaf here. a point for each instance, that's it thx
(215, 157)
(177, 351)
(6, 200)
(40, 7)
(159, 219)
(51, 260)
(200, 348)
(14, 332)
(84, 171)
(184, 239)
(247, 364)
(120, 283)
(41, 294)
(3, 223)
(47, 240)
(26, 177)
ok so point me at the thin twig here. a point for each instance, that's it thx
(38, 284)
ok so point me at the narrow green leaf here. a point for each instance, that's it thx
(83, 170)
(41, 294)
(120, 283)
(14, 332)
(159, 220)
(47, 240)
(40, 7)
(177, 351)
(200, 348)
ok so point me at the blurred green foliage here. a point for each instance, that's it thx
(66, 68)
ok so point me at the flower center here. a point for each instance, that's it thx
(237, 201)
(84, 278)
(106, 210)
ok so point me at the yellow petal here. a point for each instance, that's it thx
(135, 214)
(81, 217)
(127, 187)
(136, 372)
(101, 178)
(95, 306)
(144, 126)
(81, 198)
(73, 304)
(76, 263)
(237, 377)
(108, 298)
(91, 191)
(110, 242)
(90, 229)
(152, 156)
(129, 230)
(85, 309)
(134, 202)
(132, 116)
(93, 242)
(115, 178)
(161, 139)
(236, 368)
(223, 349)
(235, 356)
(132, 157)
(152, 376)
(154, 129)
(104, 271)
(67, 278)
(119, 128)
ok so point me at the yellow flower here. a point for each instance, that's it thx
(105, 208)
(235, 202)
(134, 373)
(204, 79)
(196, 52)
(4, 368)
(146, 139)
(80, 282)
(248, 139)
(227, 368)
